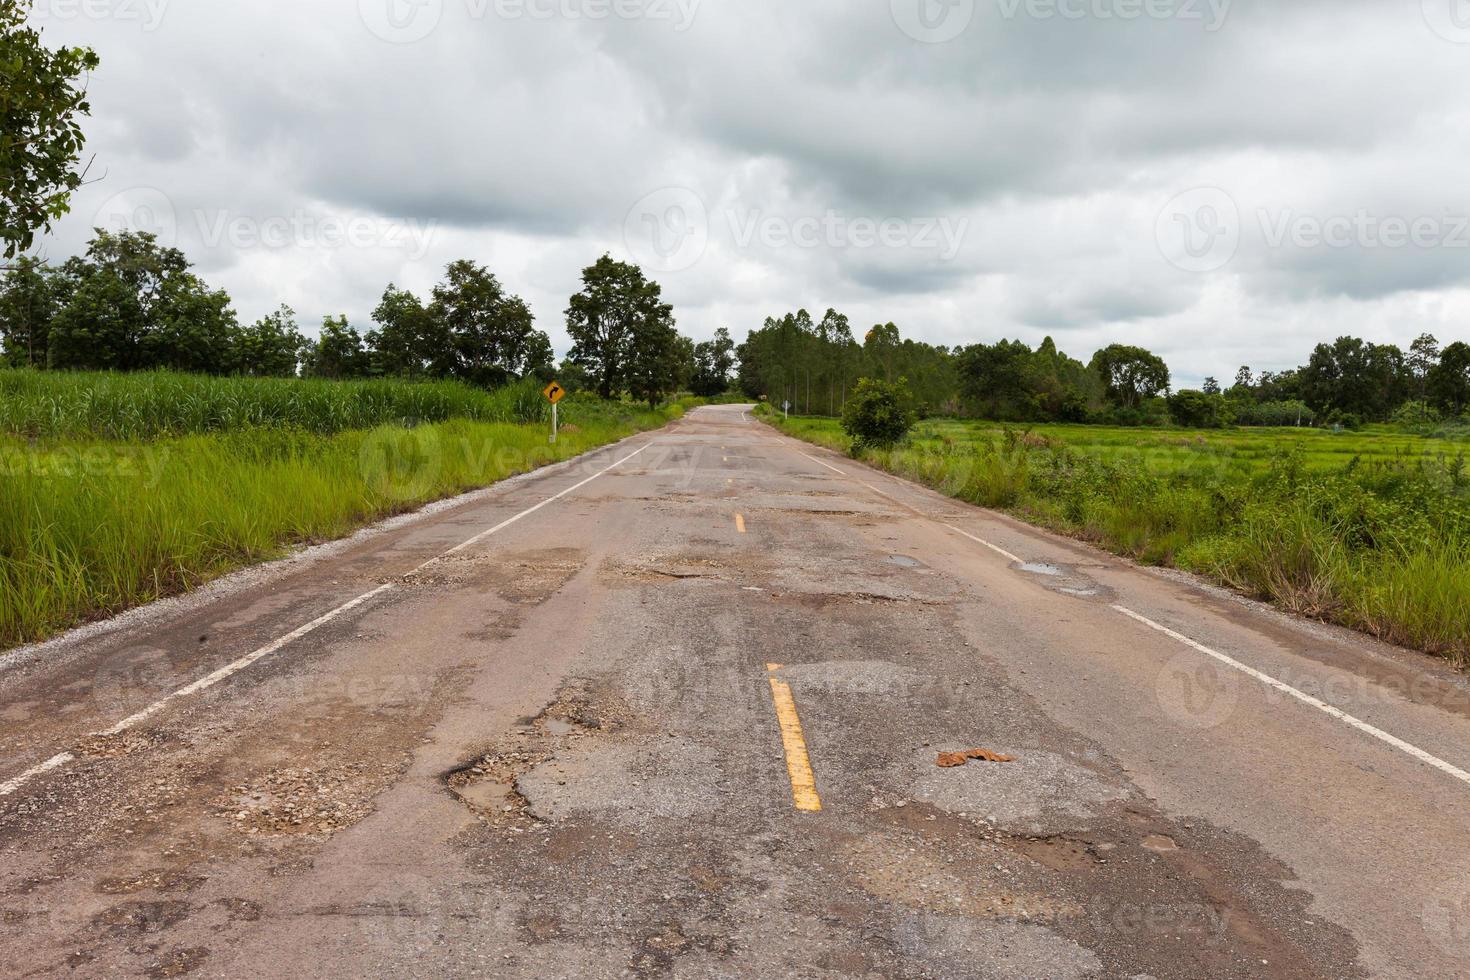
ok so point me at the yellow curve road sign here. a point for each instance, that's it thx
(554, 392)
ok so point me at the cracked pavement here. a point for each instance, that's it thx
(556, 754)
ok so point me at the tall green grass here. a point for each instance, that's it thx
(51, 405)
(1379, 542)
(91, 526)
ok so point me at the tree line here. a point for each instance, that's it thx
(813, 364)
(130, 303)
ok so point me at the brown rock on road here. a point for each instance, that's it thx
(576, 748)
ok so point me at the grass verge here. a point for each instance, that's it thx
(1381, 545)
(91, 527)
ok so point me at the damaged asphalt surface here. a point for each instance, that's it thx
(556, 754)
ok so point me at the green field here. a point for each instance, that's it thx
(1368, 529)
(116, 490)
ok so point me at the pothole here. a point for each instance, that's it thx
(489, 785)
(304, 801)
(115, 745)
(1040, 568)
(1058, 852)
(903, 561)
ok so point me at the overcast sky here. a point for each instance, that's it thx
(1224, 182)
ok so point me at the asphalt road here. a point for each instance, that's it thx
(675, 710)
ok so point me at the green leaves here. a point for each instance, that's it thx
(41, 101)
(877, 415)
(623, 333)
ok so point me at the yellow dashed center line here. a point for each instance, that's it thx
(798, 763)
(740, 523)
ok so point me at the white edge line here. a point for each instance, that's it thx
(995, 548)
(1284, 688)
(61, 759)
(55, 762)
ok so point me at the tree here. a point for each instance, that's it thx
(713, 362)
(1211, 387)
(338, 354)
(491, 333)
(272, 347)
(1353, 377)
(407, 343)
(1449, 380)
(134, 304)
(42, 101)
(656, 355)
(1423, 356)
(30, 296)
(615, 301)
(1130, 374)
(997, 379)
(878, 414)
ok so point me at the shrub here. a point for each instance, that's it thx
(1197, 410)
(877, 414)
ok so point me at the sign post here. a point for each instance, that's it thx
(786, 409)
(554, 393)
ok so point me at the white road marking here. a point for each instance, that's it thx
(1342, 716)
(57, 761)
(231, 669)
(995, 548)
(1323, 706)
